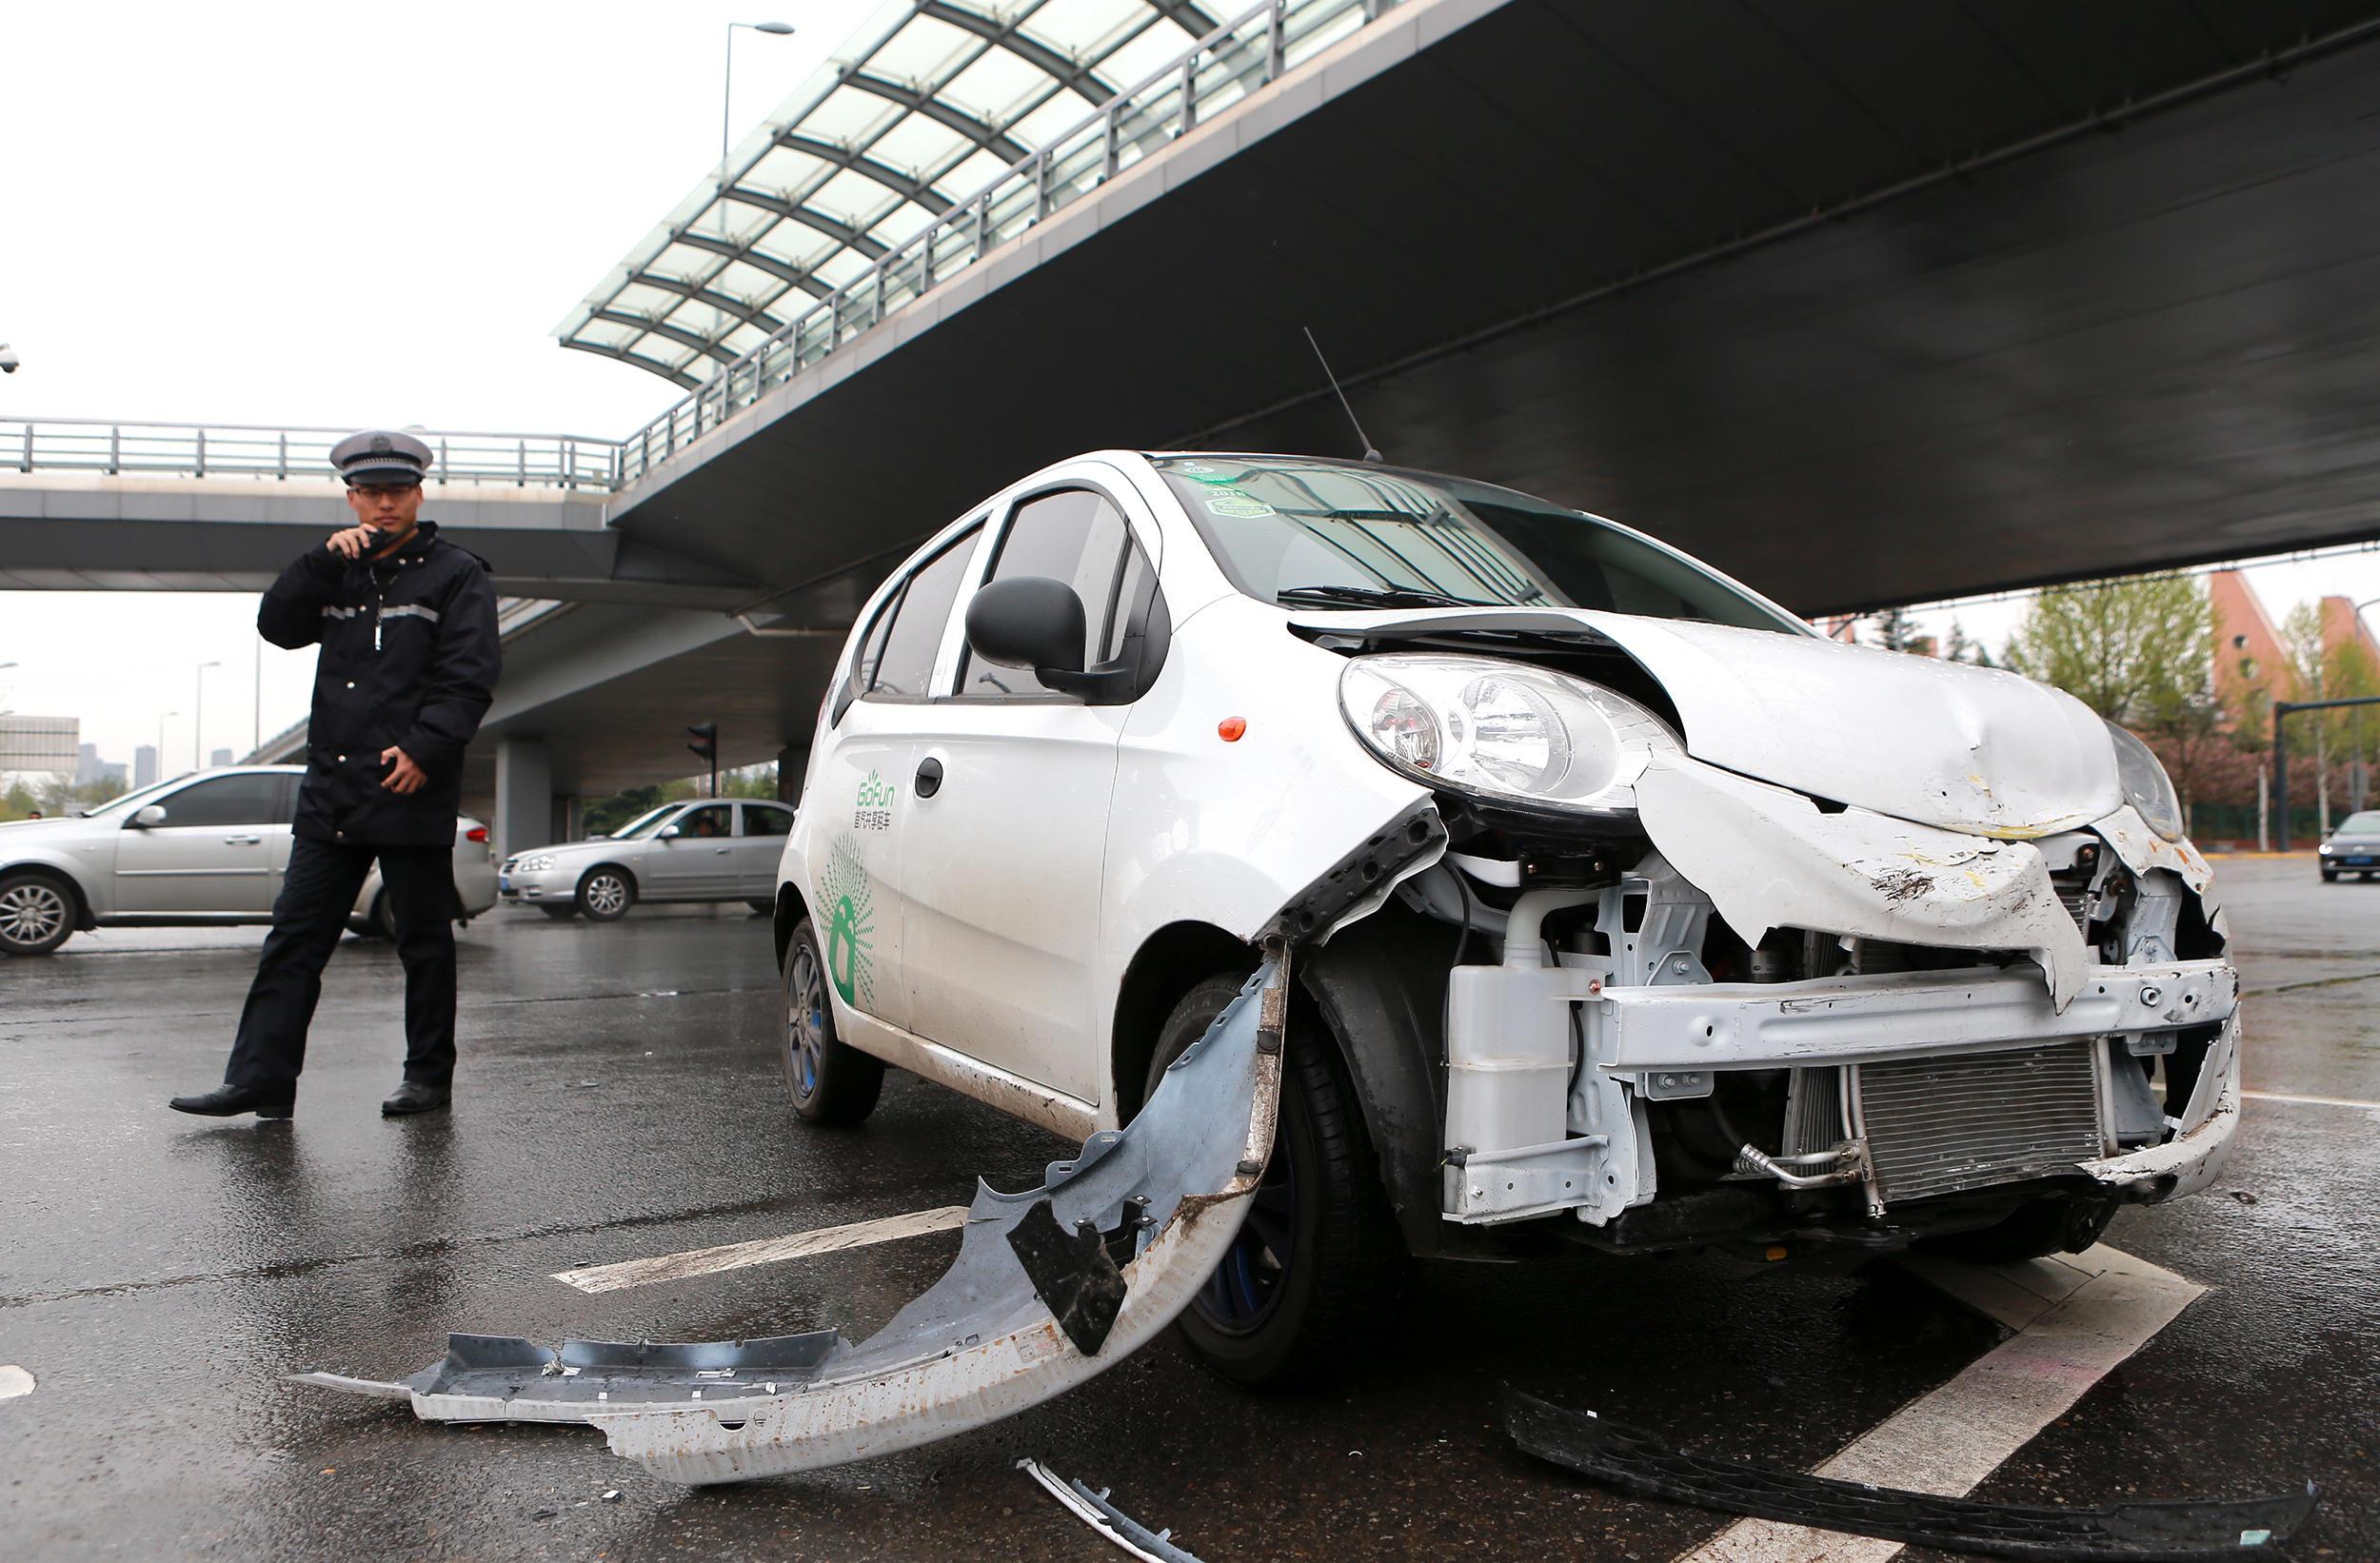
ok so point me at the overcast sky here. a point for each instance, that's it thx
(336, 215)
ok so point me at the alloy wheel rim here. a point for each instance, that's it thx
(805, 1023)
(30, 913)
(606, 892)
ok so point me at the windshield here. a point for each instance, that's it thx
(2366, 823)
(1318, 534)
(644, 824)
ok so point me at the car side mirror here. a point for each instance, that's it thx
(153, 815)
(666, 833)
(1028, 621)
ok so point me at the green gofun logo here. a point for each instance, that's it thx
(872, 809)
(850, 927)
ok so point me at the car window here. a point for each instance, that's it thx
(710, 821)
(248, 799)
(766, 819)
(1075, 536)
(914, 637)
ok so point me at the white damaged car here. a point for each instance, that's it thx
(1726, 934)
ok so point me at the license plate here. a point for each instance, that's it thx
(2356, 862)
(504, 882)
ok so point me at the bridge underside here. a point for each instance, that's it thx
(1851, 300)
(75, 533)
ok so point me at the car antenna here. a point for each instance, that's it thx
(1370, 452)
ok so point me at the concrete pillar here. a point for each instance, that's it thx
(525, 795)
(792, 760)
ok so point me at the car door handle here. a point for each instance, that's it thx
(243, 840)
(929, 777)
(719, 851)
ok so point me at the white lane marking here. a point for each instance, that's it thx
(2310, 1101)
(705, 1261)
(14, 1381)
(2075, 1317)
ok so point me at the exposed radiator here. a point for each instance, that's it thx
(1814, 1111)
(1939, 1125)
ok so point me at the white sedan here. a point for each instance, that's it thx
(209, 848)
(1679, 925)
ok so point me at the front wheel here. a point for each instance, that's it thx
(605, 894)
(1295, 1299)
(829, 1081)
(561, 911)
(36, 914)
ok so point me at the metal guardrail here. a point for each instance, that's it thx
(209, 450)
(1227, 65)
(1224, 67)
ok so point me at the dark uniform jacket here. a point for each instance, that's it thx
(410, 659)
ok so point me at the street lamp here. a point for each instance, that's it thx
(775, 29)
(198, 714)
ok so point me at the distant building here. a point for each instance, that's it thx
(220, 756)
(143, 765)
(87, 766)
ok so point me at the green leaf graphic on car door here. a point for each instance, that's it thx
(850, 923)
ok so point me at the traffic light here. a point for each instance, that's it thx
(706, 745)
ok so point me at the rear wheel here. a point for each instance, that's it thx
(36, 914)
(1294, 1299)
(829, 1081)
(607, 893)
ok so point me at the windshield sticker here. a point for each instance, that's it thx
(850, 921)
(873, 809)
(1201, 472)
(1239, 507)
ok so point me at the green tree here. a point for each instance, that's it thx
(18, 801)
(1895, 630)
(2138, 650)
(1965, 650)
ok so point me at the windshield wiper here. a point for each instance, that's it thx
(1387, 597)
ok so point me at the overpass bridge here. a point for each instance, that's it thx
(1867, 304)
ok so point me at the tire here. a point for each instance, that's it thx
(1298, 1297)
(2034, 1232)
(384, 918)
(2329, 876)
(37, 913)
(765, 907)
(606, 892)
(561, 911)
(830, 1081)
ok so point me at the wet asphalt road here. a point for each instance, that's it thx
(621, 1100)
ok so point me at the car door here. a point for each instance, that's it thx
(696, 862)
(857, 806)
(761, 830)
(210, 854)
(1000, 868)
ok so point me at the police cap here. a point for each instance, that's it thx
(380, 456)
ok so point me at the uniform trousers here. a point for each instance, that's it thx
(317, 895)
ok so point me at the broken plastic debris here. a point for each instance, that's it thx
(2134, 1532)
(1094, 1509)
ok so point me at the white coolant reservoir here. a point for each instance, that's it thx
(1509, 1038)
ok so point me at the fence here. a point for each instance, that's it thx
(210, 450)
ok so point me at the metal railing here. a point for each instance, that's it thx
(1226, 66)
(210, 450)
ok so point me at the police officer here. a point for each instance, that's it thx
(407, 622)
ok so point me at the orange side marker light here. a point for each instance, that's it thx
(1231, 727)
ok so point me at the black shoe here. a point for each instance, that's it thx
(231, 1100)
(414, 1097)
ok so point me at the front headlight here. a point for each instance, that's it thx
(2146, 785)
(536, 862)
(1502, 729)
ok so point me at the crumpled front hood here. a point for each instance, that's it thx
(1936, 743)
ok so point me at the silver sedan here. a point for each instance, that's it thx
(209, 848)
(697, 851)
